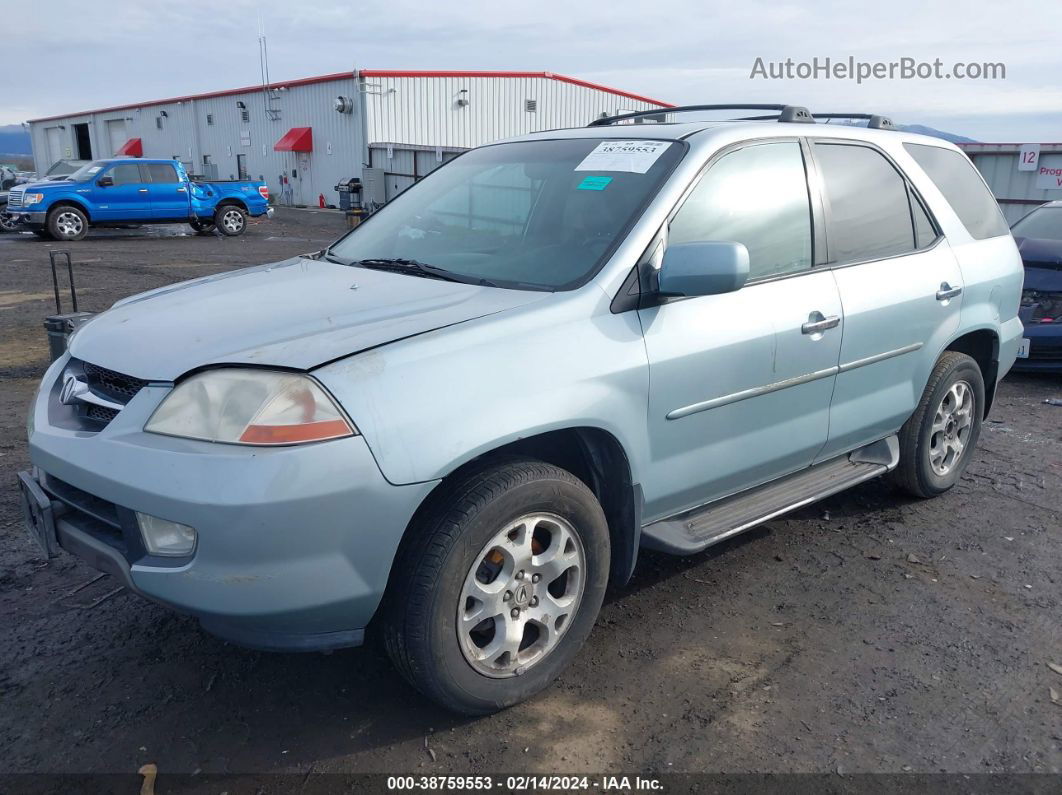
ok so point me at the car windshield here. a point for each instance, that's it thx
(529, 215)
(88, 171)
(1044, 223)
(62, 167)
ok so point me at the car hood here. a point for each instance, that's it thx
(299, 313)
(1040, 252)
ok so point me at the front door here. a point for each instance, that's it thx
(126, 199)
(900, 285)
(169, 193)
(740, 383)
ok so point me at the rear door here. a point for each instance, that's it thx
(740, 384)
(169, 193)
(126, 199)
(900, 285)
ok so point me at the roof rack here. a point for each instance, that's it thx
(874, 122)
(787, 113)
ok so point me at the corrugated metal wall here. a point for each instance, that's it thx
(187, 134)
(401, 111)
(428, 110)
(1000, 170)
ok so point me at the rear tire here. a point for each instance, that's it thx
(231, 220)
(937, 441)
(477, 616)
(67, 223)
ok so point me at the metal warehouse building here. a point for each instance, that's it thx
(1019, 188)
(304, 136)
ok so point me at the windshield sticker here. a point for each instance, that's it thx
(94, 169)
(634, 156)
(594, 183)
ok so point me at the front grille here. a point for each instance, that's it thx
(100, 413)
(1050, 353)
(116, 386)
(14, 198)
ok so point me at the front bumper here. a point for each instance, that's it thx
(294, 544)
(1045, 349)
(28, 218)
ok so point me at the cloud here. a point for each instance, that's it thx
(70, 55)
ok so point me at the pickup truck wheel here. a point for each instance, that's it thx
(937, 441)
(202, 227)
(231, 220)
(67, 223)
(497, 586)
(8, 223)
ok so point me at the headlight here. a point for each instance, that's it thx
(246, 406)
(31, 198)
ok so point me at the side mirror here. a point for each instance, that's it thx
(708, 268)
(105, 182)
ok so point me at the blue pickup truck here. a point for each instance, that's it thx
(125, 191)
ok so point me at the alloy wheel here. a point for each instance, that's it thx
(520, 595)
(950, 431)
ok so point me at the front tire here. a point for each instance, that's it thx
(230, 220)
(497, 586)
(67, 223)
(937, 441)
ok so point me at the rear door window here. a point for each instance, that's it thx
(869, 209)
(957, 178)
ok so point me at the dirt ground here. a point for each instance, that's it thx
(869, 633)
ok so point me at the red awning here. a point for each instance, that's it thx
(133, 147)
(297, 139)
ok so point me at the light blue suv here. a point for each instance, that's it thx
(459, 424)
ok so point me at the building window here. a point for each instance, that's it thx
(531, 105)
(158, 122)
(245, 115)
(210, 119)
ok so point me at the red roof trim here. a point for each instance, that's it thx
(305, 81)
(546, 75)
(302, 81)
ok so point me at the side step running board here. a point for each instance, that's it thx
(694, 530)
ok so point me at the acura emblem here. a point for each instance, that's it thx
(73, 389)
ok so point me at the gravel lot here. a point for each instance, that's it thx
(869, 633)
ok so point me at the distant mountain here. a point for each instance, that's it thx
(14, 140)
(921, 129)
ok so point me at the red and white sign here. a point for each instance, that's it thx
(1049, 173)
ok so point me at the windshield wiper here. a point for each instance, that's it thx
(328, 255)
(418, 268)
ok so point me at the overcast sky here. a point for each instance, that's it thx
(68, 55)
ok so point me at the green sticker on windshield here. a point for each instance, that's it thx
(594, 183)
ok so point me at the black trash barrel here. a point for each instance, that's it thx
(59, 328)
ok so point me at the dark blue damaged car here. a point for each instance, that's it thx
(1039, 238)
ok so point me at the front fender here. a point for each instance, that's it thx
(65, 197)
(428, 404)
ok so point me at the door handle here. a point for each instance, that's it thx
(142, 190)
(946, 291)
(817, 323)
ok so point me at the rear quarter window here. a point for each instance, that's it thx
(957, 178)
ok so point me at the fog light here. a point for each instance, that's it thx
(163, 537)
